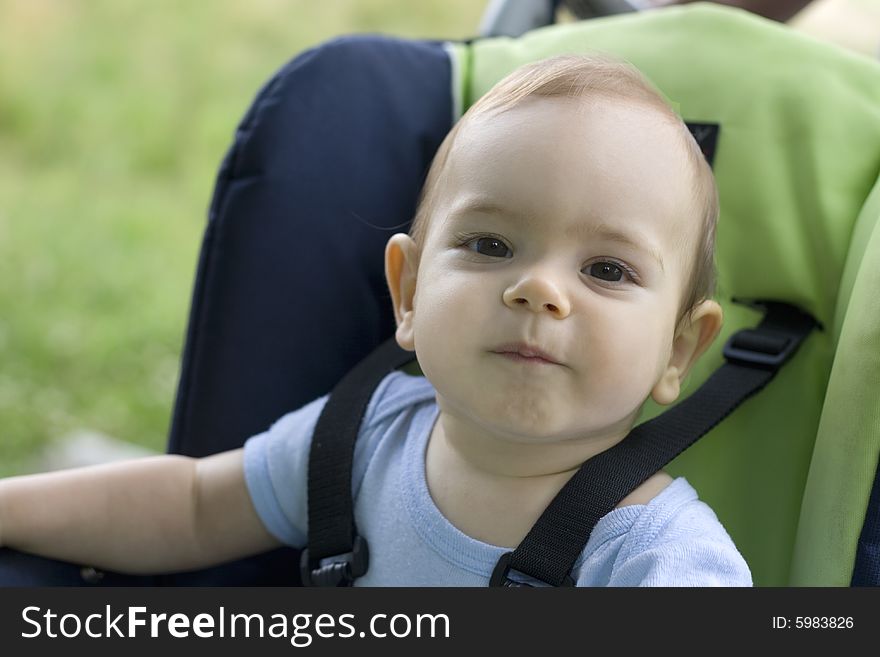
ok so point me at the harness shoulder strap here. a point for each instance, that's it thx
(337, 554)
(753, 356)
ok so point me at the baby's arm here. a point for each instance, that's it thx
(158, 514)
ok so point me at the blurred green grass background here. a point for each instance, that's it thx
(114, 116)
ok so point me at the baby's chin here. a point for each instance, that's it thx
(532, 423)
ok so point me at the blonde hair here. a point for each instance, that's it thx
(578, 77)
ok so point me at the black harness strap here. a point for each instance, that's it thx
(336, 554)
(550, 549)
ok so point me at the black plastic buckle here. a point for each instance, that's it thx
(501, 576)
(763, 348)
(774, 341)
(338, 570)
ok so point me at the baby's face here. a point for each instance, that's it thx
(559, 227)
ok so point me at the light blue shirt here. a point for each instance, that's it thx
(674, 540)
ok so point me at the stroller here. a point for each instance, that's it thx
(334, 150)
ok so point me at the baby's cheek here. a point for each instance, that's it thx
(629, 362)
(439, 323)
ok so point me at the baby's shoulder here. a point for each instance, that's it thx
(674, 540)
(672, 515)
(648, 490)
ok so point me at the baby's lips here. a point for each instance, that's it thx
(526, 351)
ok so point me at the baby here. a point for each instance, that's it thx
(559, 272)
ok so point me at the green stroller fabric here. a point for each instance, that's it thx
(789, 473)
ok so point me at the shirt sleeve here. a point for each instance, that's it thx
(696, 563)
(690, 548)
(276, 462)
(276, 473)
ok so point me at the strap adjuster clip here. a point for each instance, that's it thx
(501, 576)
(337, 570)
(763, 348)
(772, 342)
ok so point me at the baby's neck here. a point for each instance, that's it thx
(494, 490)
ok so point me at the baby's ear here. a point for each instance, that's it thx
(401, 268)
(698, 330)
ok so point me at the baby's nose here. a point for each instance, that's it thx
(538, 294)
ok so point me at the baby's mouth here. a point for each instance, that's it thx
(525, 353)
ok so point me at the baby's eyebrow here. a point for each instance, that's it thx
(578, 231)
(476, 206)
(612, 234)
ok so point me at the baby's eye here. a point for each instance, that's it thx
(607, 271)
(489, 246)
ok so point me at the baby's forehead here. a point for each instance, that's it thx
(613, 110)
(629, 148)
(604, 137)
(615, 172)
